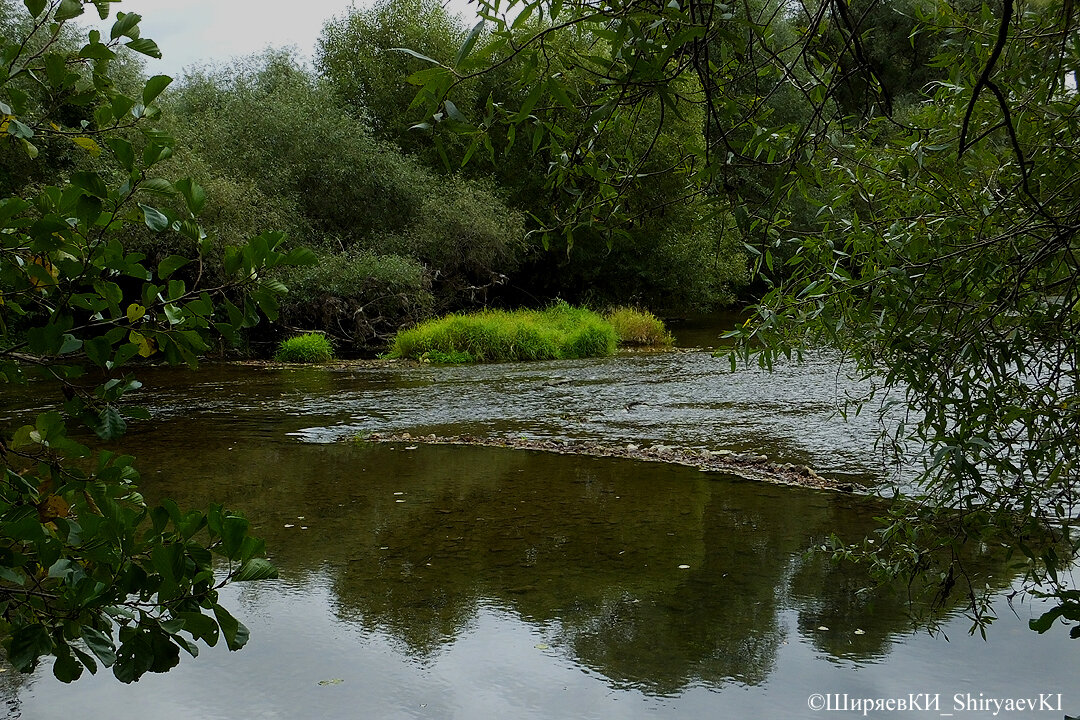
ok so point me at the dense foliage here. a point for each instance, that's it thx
(678, 249)
(903, 174)
(89, 573)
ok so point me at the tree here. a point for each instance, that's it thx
(395, 240)
(89, 573)
(374, 58)
(928, 231)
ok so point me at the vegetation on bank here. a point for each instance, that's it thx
(559, 331)
(307, 348)
(639, 328)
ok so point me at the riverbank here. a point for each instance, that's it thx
(745, 465)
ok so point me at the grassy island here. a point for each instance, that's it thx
(557, 332)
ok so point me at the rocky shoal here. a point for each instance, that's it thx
(745, 465)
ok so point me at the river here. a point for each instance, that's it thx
(473, 582)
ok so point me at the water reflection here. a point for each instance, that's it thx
(657, 578)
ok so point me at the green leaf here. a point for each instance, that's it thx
(168, 560)
(470, 41)
(154, 86)
(86, 659)
(161, 186)
(300, 256)
(124, 152)
(255, 569)
(100, 644)
(66, 668)
(70, 344)
(234, 632)
(523, 16)
(121, 105)
(110, 424)
(154, 218)
(1045, 621)
(27, 644)
(193, 194)
(56, 69)
(146, 47)
(91, 182)
(9, 574)
(419, 56)
(88, 210)
(125, 25)
(233, 529)
(199, 626)
(453, 112)
(98, 350)
(96, 51)
(36, 7)
(170, 265)
(68, 9)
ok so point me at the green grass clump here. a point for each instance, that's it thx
(310, 348)
(560, 331)
(639, 327)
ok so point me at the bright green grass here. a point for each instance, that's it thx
(560, 331)
(639, 327)
(310, 348)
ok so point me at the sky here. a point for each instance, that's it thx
(193, 32)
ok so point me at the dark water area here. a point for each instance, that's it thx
(471, 582)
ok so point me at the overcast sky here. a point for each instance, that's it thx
(195, 31)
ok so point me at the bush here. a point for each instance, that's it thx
(639, 327)
(310, 348)
(560, 331)
(357, 296)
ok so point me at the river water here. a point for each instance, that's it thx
(468, 582)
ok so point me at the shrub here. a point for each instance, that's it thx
(357, 296)
(310, 348)
(639, 327)
(560, 331)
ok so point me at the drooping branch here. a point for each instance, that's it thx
(984, 78)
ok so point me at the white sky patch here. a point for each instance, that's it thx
(197, 32)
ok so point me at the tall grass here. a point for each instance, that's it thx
(639, 327)
(310, 348)
(560, 331)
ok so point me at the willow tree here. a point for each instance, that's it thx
(922, 218)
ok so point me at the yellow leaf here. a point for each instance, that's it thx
(52, 507)
(146, 345)
(88, 145)
(135, 312)
(37, 282)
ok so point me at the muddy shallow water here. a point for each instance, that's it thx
(473, 582)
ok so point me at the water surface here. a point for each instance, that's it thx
(469, 582)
